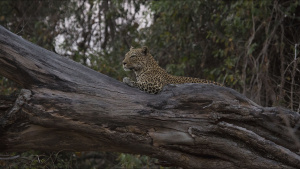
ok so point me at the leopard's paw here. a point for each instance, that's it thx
(127, 81)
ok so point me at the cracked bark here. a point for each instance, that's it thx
(66, 106)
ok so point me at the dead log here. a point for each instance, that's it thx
(67, 106)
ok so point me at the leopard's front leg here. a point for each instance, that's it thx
(148, 87)
(129, 82)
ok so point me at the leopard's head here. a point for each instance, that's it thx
(137, 59)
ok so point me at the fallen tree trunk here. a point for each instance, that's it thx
(67, 106)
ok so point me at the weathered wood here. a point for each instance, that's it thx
(66, 106)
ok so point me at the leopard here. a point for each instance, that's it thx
(150, 77)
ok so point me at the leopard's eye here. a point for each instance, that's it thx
(132, 56)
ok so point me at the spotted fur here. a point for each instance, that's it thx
(150, 77)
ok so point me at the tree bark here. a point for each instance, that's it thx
(67, 106)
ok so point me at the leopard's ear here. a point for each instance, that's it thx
(131, 48)
(145, 50)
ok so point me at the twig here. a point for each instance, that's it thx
(293, 77)
(6, 157)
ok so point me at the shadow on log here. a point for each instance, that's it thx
(67, 106)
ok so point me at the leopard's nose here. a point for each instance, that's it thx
(124, 63)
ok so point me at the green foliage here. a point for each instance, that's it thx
(38, 160)
(245, 44)
(77, 160)
(128, 161)
(255, 39)
(100, 33)
(7, 87)
(33, 20)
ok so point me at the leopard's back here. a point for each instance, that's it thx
(181, 80)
